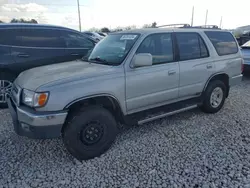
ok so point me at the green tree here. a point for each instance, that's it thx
(93, 29)
(153, 24)
(146, 26)
(130, 27)
(33, 21)
(105, 30)
(1, 21)
(14, 20)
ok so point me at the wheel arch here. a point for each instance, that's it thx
(222, 76)
(107, 101)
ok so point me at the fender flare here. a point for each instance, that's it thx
(94, 96)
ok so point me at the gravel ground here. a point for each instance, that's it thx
(191, 149)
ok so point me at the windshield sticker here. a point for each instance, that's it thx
(128, 37)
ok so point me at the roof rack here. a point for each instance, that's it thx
(174, 25)
(207, 26)
(188, 26)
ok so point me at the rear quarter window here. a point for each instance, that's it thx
(223, 42)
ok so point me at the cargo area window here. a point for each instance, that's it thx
(223, 42)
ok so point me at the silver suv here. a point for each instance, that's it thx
(130, 77)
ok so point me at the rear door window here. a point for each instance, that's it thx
(47, 38)
(191, 46)
(75, 40)
(223, 42)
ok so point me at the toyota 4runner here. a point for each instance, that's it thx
(130, 77)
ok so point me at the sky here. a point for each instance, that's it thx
(120, 13)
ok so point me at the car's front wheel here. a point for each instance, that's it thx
(90, 132)
(214, 96)
(6, 80)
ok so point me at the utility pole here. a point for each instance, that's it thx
(192, 20)
(221, 22)
(206, 18)
(79, 16)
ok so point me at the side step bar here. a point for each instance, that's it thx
(166, 114)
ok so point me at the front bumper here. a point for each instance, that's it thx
(30, 123)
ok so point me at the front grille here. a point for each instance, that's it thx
(14, 88)
(15, 94)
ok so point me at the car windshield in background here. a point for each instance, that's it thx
(113, 49)
(246, 45)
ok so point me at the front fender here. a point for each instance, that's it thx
(63, 95)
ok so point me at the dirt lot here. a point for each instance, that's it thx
(191, 149)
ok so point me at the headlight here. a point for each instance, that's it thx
(28, 97)
(33, 99)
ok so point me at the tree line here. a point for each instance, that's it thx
(107, 30)
(21, 20)
(104, 29)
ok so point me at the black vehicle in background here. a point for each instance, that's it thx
(25, 46)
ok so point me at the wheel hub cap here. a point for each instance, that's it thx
(92, 133)
(5, 90)
(216, 97)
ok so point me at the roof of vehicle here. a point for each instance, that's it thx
(23, 25)
(15, 25)
(159, 30)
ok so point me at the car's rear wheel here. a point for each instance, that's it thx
(90, 132)
(214, 96)
(6, 80)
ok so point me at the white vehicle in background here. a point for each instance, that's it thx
(245, 49)
(102, 34)
(94, 35)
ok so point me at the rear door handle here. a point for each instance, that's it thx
(171, 72)
(75, 54)
(23, 55)
(209, 66)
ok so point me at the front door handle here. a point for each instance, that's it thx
(23, 55)
(209, 66)
(171, 72)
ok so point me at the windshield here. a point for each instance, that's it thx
(113, 49)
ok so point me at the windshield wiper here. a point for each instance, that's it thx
(100, 60)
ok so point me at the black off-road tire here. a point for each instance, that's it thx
(206, 106)
(79, 123)
(9, 77)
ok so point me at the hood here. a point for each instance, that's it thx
(65, 72)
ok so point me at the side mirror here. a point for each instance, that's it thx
(142, 60)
